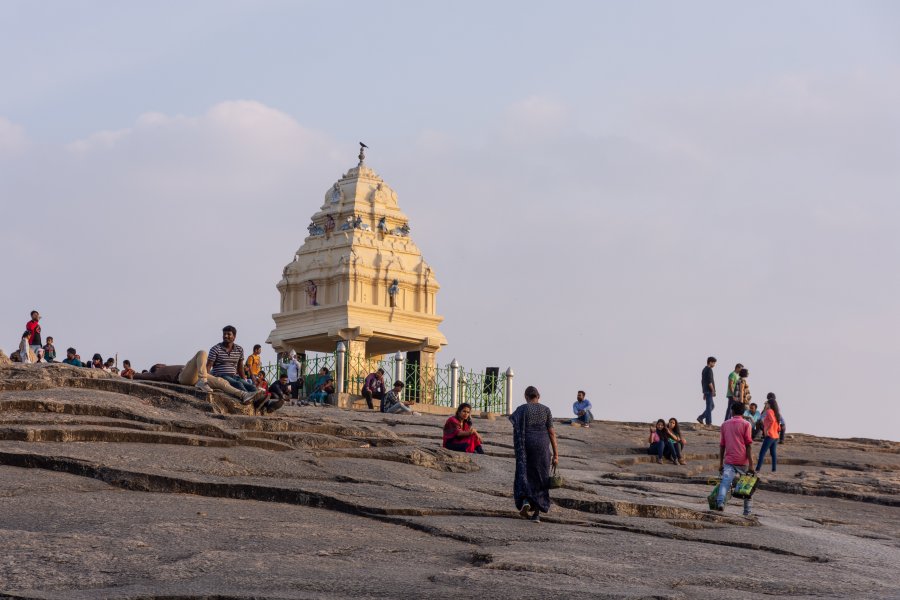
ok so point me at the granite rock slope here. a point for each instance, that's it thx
(118, 489)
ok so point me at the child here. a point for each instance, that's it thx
(127, 371)
(49, 350)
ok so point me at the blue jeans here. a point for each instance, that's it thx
(241, 384)
(584, 419)
(706, 417)
(666, 449)
(318, 397)
(768, 444)
(729, 474)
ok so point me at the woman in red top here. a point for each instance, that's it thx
(771, 429)
(459, 435)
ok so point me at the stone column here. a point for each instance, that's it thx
(427, 375)
(463, 388)
(399, 371)
(454, 383)
(507, 390)
(340, 360)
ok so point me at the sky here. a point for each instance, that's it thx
(607, 192)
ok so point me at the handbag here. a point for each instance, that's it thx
(556, 480)
(714, 494)
(745, 485)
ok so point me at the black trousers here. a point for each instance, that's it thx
(369, 395)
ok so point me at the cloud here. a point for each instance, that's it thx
(756, 224)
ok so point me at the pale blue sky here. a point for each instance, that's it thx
(632, 186)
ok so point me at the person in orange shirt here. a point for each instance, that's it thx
(254, 362)
(771, 431)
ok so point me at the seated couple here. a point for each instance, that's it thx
(666, 441)
(459, 435)
(195, 373)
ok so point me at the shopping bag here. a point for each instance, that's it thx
(745, 485)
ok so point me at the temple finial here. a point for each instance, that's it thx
(362, 154)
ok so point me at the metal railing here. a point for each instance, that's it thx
(486, 390)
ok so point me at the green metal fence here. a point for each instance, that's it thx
(484, 390)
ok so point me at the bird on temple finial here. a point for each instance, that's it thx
(362, 154)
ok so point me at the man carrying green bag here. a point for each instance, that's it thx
(735, 457)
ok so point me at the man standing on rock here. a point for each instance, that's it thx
(226, 360)
(33, 327)
(708, 383)
(735, 458)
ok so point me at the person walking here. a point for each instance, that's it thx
(708, 385)
(771, 431)
(533, 439)
(742, 391)
(733, 378)
(735, 459)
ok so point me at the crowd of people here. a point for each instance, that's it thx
(224, 368)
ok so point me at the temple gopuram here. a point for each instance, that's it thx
(359, 279)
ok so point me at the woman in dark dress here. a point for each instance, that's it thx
(533, 437)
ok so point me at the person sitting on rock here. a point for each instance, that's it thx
(373, 387)
(127, 371)
(459, 435)
(324, 387)
(753, 417)
(110, 365)
(226, 360)
(281, 389)
(393, 404)
(660, 443)
(195, 373)
(678, 441)
(582, 409)
(72, 358)
(97, 362)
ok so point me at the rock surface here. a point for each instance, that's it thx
(118, 489)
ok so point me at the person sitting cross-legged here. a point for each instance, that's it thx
(459, 435)
(393, 403)
(324, 387)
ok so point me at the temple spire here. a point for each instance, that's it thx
(362, 154)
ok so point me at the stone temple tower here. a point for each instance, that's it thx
(359, 278)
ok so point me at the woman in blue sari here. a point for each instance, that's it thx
(533, 437)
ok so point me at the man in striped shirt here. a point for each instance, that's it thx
(226, 360)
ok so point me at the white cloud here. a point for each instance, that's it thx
(614, 260)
